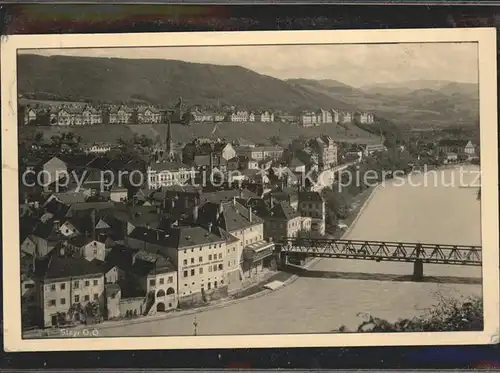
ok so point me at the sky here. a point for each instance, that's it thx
(356, 65)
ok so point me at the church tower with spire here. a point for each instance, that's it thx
(168, 153)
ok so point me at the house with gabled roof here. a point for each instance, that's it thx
(65, 285)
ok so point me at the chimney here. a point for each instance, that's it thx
(234, 201)
(250, 214)
(272, 202)
(157, 235)
(210, 227)
(195, 213)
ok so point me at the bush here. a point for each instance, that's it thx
(448, 315)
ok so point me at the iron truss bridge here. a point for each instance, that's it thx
(383, 251)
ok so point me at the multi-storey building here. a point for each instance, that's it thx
(309, 119)
(260, 152)
(168, 174)
(238, 116)
(326, 150)
(65, 286)
(91, 116)
(326, 116)
(311, 204)
(264, 116)
(198, 254)
(363, 118)
(148, 115)
(254, 252)
(345, 117)
(335, 116)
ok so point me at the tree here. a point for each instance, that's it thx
(448, 315)
(275, 140)
(39, 136)
(92, 309)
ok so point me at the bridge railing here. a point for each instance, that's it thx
(384, 251)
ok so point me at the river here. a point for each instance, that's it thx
(429, 213)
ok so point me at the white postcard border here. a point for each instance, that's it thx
(487, 51)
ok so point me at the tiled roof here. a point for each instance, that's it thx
(168, 166)
(70, 197)
(226, 195)
(234, 216)
(310, 197)
(282, 210)
(80, 241)
(177, 237)
(55, 266)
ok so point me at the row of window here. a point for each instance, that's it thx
(209, 247)
(62, 301)
(152, 282)
(214, 268)
(209, 287)
(200, 259)
(76, 285)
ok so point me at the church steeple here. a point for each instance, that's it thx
(169, 151)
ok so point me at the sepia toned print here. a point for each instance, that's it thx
(250, 189)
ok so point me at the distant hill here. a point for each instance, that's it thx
(405, 87)
(419, 104)
(159, 82)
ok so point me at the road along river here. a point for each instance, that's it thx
(422, 210)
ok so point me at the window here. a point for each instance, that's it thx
(162, 281)
(220, 255)
(201, 270)
(170, 279)
(77, 298)
(192, 260)
(152, 282)
(192, 272)
(185, 262)
(96, 296)
(200, 259)
(192, 283)
(192, 250)
(95, 251)
(76, 284)
(53, 287)
(185, 273)
(220, 267)
(215, 284)
(87, 283)
(215, 267)
(209, 286)
(210, 257)
(228, 264)
(63, 286)
(209, 268)
(52, 302)
(96, 282)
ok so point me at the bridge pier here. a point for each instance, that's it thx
(418, 270)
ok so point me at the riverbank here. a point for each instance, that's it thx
(258, 290)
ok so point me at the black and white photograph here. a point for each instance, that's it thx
(250, 189)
